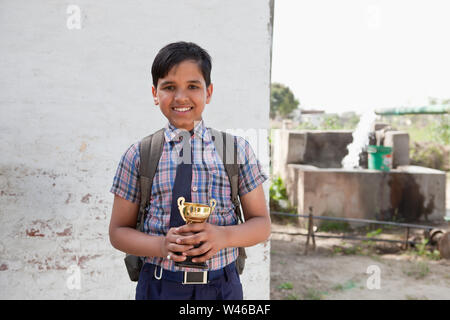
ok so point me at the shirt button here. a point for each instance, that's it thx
(194, 189)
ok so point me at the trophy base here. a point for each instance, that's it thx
(189, 264)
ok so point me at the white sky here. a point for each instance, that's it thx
(359, 54)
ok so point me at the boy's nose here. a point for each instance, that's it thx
(181, 96)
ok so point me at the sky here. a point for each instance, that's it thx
(355, 55)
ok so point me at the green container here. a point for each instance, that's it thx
(380, 158)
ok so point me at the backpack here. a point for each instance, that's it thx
(150, 152)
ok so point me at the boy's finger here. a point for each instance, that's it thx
(205, 247)
(175, 257)
(193, 239)
(173, 230)
(178, 247)
(191, 227)
(204, 257)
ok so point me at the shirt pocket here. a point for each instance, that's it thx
(219, 186)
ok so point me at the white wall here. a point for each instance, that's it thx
(73, 100)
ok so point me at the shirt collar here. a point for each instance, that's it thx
(172, 133)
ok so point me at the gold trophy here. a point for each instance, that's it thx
(194, 213)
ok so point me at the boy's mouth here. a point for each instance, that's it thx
(182, 109)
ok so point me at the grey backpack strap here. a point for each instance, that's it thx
(150, 152)
(224, 150)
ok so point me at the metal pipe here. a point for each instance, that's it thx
(410, 242)
(431, 109)
(398, 224)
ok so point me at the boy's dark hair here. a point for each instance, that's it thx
(177, 52)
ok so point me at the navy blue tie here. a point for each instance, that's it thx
(183, 181)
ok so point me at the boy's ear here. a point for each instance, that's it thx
(155, 97)
(209, 92)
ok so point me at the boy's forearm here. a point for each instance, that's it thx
(137, 243)
(253, 231)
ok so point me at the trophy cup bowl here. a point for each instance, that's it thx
(194, 213)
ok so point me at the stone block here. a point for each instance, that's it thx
(399, 141)
(326, 149)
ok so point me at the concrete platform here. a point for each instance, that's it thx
(408, 193)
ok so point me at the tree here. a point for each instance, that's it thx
(282, 101)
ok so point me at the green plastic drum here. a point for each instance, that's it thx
(380, 158)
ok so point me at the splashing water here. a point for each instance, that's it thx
(360, 140)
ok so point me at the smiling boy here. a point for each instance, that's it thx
(182, 88)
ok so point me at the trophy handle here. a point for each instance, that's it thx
(180, 203)
(212, 204)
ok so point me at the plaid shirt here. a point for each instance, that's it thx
(209, 180)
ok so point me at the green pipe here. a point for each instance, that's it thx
(432, 109)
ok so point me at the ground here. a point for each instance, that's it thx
(347, 269)
(338, 269)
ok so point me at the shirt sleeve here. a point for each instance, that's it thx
(126, 181)
(251, 174)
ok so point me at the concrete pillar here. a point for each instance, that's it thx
(399, 141)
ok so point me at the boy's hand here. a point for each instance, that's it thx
(171, 247)
(210, 237)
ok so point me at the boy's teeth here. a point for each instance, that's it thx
(182, 109)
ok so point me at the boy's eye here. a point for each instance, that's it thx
(170, 88)
(193, 86)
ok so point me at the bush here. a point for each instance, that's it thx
(431, 155)
(278, 190)
(441, 129)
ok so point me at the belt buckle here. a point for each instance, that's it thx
(200, 277)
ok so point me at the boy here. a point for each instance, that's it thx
(181, 88)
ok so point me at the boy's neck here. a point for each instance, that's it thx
(191, 131)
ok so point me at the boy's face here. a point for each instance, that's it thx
(182, 94)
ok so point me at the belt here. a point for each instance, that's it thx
(189, 277)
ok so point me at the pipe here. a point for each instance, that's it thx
(431, 109)
(343, 237)
(398, 224)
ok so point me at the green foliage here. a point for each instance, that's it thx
(347, 121)
(331, 123)
(277, 190)
(418, 270)
(431, 155)
(429, 136)
(334, 226)
(282, 101)
(279, 202)
(374, 233)
(350, 284)
(441, 129)
(306, 126)
(423, 251)
(314, 294)
(286, 286)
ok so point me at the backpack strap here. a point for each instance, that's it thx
(226, 147)
(151, 148)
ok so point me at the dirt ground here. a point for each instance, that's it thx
(349, 269)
